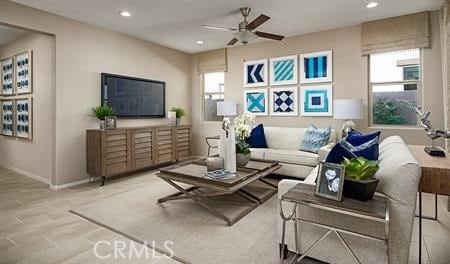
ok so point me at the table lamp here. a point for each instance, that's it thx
(226, 109)
(348, 109)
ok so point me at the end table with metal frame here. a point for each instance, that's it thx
(376, 210)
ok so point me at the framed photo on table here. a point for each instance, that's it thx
(110, 122)
(330, 181)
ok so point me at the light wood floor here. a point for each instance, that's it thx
(36, 227)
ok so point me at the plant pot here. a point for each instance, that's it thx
(360, 190)
(178, 121)
(242, 159)
(101, 124)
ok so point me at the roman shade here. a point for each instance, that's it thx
(397, 33)
(212, 61)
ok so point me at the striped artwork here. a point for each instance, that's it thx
(316, 67)
(283, 70)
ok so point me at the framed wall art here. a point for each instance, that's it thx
(283, 70)
(283, 101)
(24, 72)
(316, 100)
(24, 120)
(7, 127)
(255, 73)
(7, 67)
(316, 67)
(256, 101)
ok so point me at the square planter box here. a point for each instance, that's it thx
(360, 190)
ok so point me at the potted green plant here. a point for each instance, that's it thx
(243, 130)
(101, 112)
(179, 113)
(359, 183)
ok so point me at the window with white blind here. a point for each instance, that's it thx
(213, 91)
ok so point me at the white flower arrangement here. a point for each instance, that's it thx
(242, 125)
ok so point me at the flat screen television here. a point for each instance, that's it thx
(134, 97)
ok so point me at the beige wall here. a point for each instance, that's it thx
(350, 80)
(82, 53)
(34, 157)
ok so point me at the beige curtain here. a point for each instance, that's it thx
(212, 61)
(397, 33)
(445, 46)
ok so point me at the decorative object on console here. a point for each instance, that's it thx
(180, 112)
(24, 72)
(284, 101)
(283, 70)
(432, 133)
(255, 73)
(227, 143)
(110, 122)
(348, 109)
(257, 138)
(316, 67)
(316, 100)
(243, 130)
(101, 112)
(7, 117)
(172, 116)
(255, 102)
(7, 76)
(330, 181)
(359, 182)
(24, 110)
(315, 138)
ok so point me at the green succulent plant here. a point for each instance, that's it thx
(179, 111)
(360, 168)
(102, 111)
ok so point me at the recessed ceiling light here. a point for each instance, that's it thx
(125, 13)
(372, 5)
(199, 42)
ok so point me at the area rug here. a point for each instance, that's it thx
(197, 236)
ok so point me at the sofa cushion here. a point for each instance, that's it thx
(315, 138)
(292, 156)
(356, 138)
(288, 137)
(257, 138)
(258, 153)
(368, 150)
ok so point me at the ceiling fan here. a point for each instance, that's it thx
(245, 33)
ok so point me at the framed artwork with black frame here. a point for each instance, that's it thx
(330, 181)
(24, 72)
(24, 117)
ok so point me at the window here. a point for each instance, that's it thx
(395, 87)
(213, 92)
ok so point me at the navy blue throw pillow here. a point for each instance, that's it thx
(337, 154)
(368, 150)
(356, 138)
(257, 138)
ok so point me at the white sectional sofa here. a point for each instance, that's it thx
(399, 176)
(283, 146)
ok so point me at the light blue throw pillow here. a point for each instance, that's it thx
(315, 138)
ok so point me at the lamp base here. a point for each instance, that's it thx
(434, 151)
(347, 127)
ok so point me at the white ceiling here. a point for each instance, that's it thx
(177, 23)
(8, 34)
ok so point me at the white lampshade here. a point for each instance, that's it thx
(348, 109)
(226, 108)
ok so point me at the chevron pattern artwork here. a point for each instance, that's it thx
(316, 67)
(255, 73)
(283, 70)
(255, 101)
(283, 101)
(317, 100)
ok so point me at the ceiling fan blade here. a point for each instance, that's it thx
(232, 42)
(219, 28)
(257, 22)
(268, 35)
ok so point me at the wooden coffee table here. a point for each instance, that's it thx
(193, 174)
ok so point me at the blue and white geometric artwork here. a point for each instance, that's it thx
(283, 101)
(255, 73)
(317, 100)
(283, 70)
(255, 102)
(316, 67)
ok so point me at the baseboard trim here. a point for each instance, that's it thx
(26, 173)
(67, 185)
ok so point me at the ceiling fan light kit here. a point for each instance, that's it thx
(245, 32)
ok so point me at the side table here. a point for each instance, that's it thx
(376, 210)
(435, 179)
